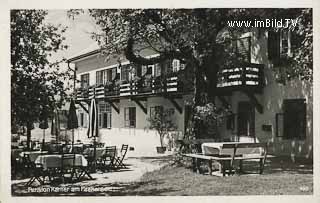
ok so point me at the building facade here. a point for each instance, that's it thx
(264, 109)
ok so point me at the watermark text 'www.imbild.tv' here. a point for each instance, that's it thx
(266, 23)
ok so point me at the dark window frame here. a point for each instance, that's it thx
(85, 80)
(299, 114)
(130, 117)
(105, 116)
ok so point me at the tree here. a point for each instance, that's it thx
(35, 80)
(162, 122)
(190, 35)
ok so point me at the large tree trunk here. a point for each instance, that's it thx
(204, 91)
(29, 128)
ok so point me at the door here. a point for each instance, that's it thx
(294, 118)
(246, 119)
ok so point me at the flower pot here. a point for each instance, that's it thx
(161, 150)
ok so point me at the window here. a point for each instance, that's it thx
(125, 73)
(105, 75)
(84, 80)
(109, 77)
(101, 77)
(284, 43)
(294, 118)
(130, 117)
(155, 110)
(240, 47)
(175, 65)
(279, 44)
(157, 70)
(105, 116)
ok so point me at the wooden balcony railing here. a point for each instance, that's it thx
(151, 85)
(249, 76)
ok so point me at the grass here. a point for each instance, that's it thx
(281, 177)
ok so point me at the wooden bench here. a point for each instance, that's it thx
(227, 161)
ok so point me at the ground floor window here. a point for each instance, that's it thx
(105, 116)
(294, 118)
(130, 117)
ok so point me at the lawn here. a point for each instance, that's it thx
(281, 177)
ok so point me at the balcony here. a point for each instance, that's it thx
(90, 92)
(149, 85)
(247, 77)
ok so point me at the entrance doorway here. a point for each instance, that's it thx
(246, 120)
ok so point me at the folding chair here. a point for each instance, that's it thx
(35, 170)
(119, 160)
(108, 158)
(67, 165)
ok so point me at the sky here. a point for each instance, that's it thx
(77, 34)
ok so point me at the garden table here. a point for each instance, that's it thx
(55, 161)
(216, 148)
(33, 155)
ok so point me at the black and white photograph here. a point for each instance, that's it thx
(161, 102)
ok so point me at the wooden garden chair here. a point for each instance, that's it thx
(119, 160)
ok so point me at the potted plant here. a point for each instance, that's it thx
(162, 122)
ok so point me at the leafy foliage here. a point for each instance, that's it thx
(162, 122)
(35, 81)
(192, 36)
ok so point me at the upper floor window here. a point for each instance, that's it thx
(175, 65)
(157, 70)
(84, 80)
(280, 44)
(125, 72)
(101, 77)
(240, 47)
(104, 76)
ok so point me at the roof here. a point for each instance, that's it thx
(90, 50)
(95, 49)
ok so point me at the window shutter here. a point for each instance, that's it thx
(273, 46)
(108, 120)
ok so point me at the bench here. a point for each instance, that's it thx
(227, 161)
